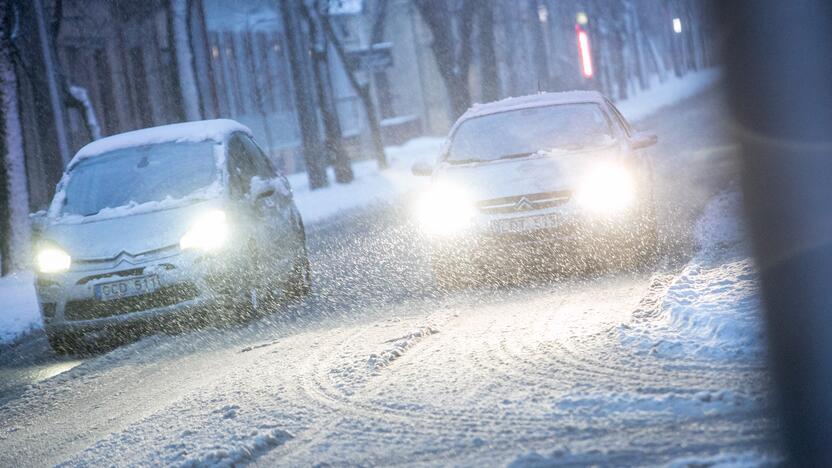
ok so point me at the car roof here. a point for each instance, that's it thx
(532, 100)
(197, 131)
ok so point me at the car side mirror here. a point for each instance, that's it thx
(260, 189)
(643, 140)
(422, 168)
(38, 221)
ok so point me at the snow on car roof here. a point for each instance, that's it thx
(200, 130)
(532, 100)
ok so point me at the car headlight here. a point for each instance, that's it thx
(445, 209)
(607, 189)
(51, 259)
(208, 232)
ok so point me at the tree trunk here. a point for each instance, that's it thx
(541, 60)
(363, 92)
(453, 65)
(333, 136)
(489, 72)
(333, 140)
(180, 11)
(304, 102)
(16, 235)
(81, 99)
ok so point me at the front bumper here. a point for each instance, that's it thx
(577, 234)
(188, 281)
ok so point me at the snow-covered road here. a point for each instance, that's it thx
(377, 367)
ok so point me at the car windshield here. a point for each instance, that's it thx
(526, 131)
(139, 175)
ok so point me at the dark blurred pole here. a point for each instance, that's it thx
(778, 59)
(304, 101)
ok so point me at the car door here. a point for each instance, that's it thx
(273, 209)
(248, 219)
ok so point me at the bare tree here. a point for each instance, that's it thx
(74, 96)
(14, 196)
(333, 136)
(451, 24)
(362, 89)
(180, 33)
(307, 118)
(489, 72)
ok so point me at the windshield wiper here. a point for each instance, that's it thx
(464, 161)
(518, 155)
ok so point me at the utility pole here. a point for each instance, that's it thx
(52, 83)
(304, 100)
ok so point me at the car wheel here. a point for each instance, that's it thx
(66, 343)
(300, 284)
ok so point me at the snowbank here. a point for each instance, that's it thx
(667, 93)
(729, 460)
(19, 312)
(710, 310)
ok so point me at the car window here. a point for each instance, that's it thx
(624, 124)
(241, 166)
(564, 127)
(262, 166)
(139, 174)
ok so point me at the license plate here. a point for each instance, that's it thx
(127, 288)
(517, 225)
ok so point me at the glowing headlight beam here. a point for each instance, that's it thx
(52, 260)
(445, 209)
(607, 188)
(209, 232)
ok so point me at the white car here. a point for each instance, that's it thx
(523, 178)
(159, 222)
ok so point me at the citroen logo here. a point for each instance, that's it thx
(523, 204)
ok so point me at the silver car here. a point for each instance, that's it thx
(523, 178)
(159, 222)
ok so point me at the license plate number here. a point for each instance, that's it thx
(533, 223)
(126, 288)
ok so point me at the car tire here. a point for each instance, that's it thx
(66, 343)
(300, 284)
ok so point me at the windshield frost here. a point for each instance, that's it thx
(139, 175)
(527, 131)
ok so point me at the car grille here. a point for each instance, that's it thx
(91, 308)
(520, 203)
(121, 273)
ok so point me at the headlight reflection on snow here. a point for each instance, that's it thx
(445, 209)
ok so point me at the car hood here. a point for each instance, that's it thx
(541, 172)
(133, 234)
